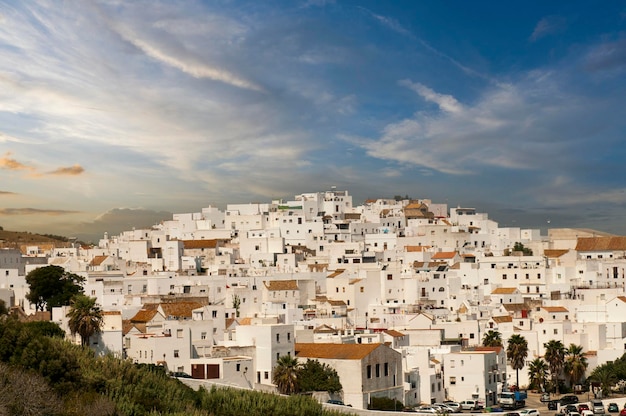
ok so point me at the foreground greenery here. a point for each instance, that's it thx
(42, 374)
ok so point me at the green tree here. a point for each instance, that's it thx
(538, 373)
(575, 364)
(555, 356)
(236, 304)
(52, 286)
(286, 375)
(314, 376)
(492, 339)
(516, 352)
(605, 376)
(85, 318)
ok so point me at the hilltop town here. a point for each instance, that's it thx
(396, 295)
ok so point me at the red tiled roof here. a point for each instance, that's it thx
(194, 244)
(601, 243)
(444, 255)
(281, 285)
(98, 260)
(335, 351)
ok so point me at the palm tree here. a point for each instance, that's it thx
(492, 339)
(555, 356)
(286, 374)
(85, 318)
(517, 351)
(575, 363)
(605, 376)
(538, 373)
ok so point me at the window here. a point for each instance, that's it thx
(288, 336)
(386, 369)
(278, 338)
(377, 370)
(361, 289)
(390, 277)
(369, 371)
(452, 380)
(238, 367)
(266, 375)
(176, 354)
(214, 314)
(179, 333)
(203, 335)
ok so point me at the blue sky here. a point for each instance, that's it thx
(114, 114)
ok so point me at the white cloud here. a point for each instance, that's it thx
(523, 126)
(547, 26)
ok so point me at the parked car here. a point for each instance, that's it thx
(613, 408)
(427, 409)
(597, 406)
(545, 397)
(586, 413)
(623, 411)
(337, 402)
(180, 374)
(456, 407)
(444, 407)
(569, 399)
(529, 412)
(569, 408)
(470, 405)
(553, 405)
(582, 406)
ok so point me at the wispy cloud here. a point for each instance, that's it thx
(35, 211)
(5, 193)
(177, 56)
(548, 26)
(521, 126)
(68, 171)
(389, 22)
(607, 56)
(8, 163)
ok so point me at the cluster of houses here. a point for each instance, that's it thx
(396, 295)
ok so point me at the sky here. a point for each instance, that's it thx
(116, 114)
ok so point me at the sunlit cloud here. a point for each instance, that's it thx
(8, 163)
(68, 171)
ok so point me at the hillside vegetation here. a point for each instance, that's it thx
(42, 374)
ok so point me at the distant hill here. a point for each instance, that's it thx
(17, 239)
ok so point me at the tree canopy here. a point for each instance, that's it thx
(314, 376)
(492, 339)
(52, 286)
(85, 318)
(517, 351)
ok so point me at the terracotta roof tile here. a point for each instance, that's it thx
(554, 253)
(180, 309)
(601, 244)
(195, 244)
(444, 255)
(336, 273)
(281, 285)
(143, 316)
(555, 309)
(504, 291)
(394, 333)
(335, 351)
(502, 319)
(98, 260)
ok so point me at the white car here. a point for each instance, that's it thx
(444, 407)
(529, 412)
(456, 407)
(427, 409)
